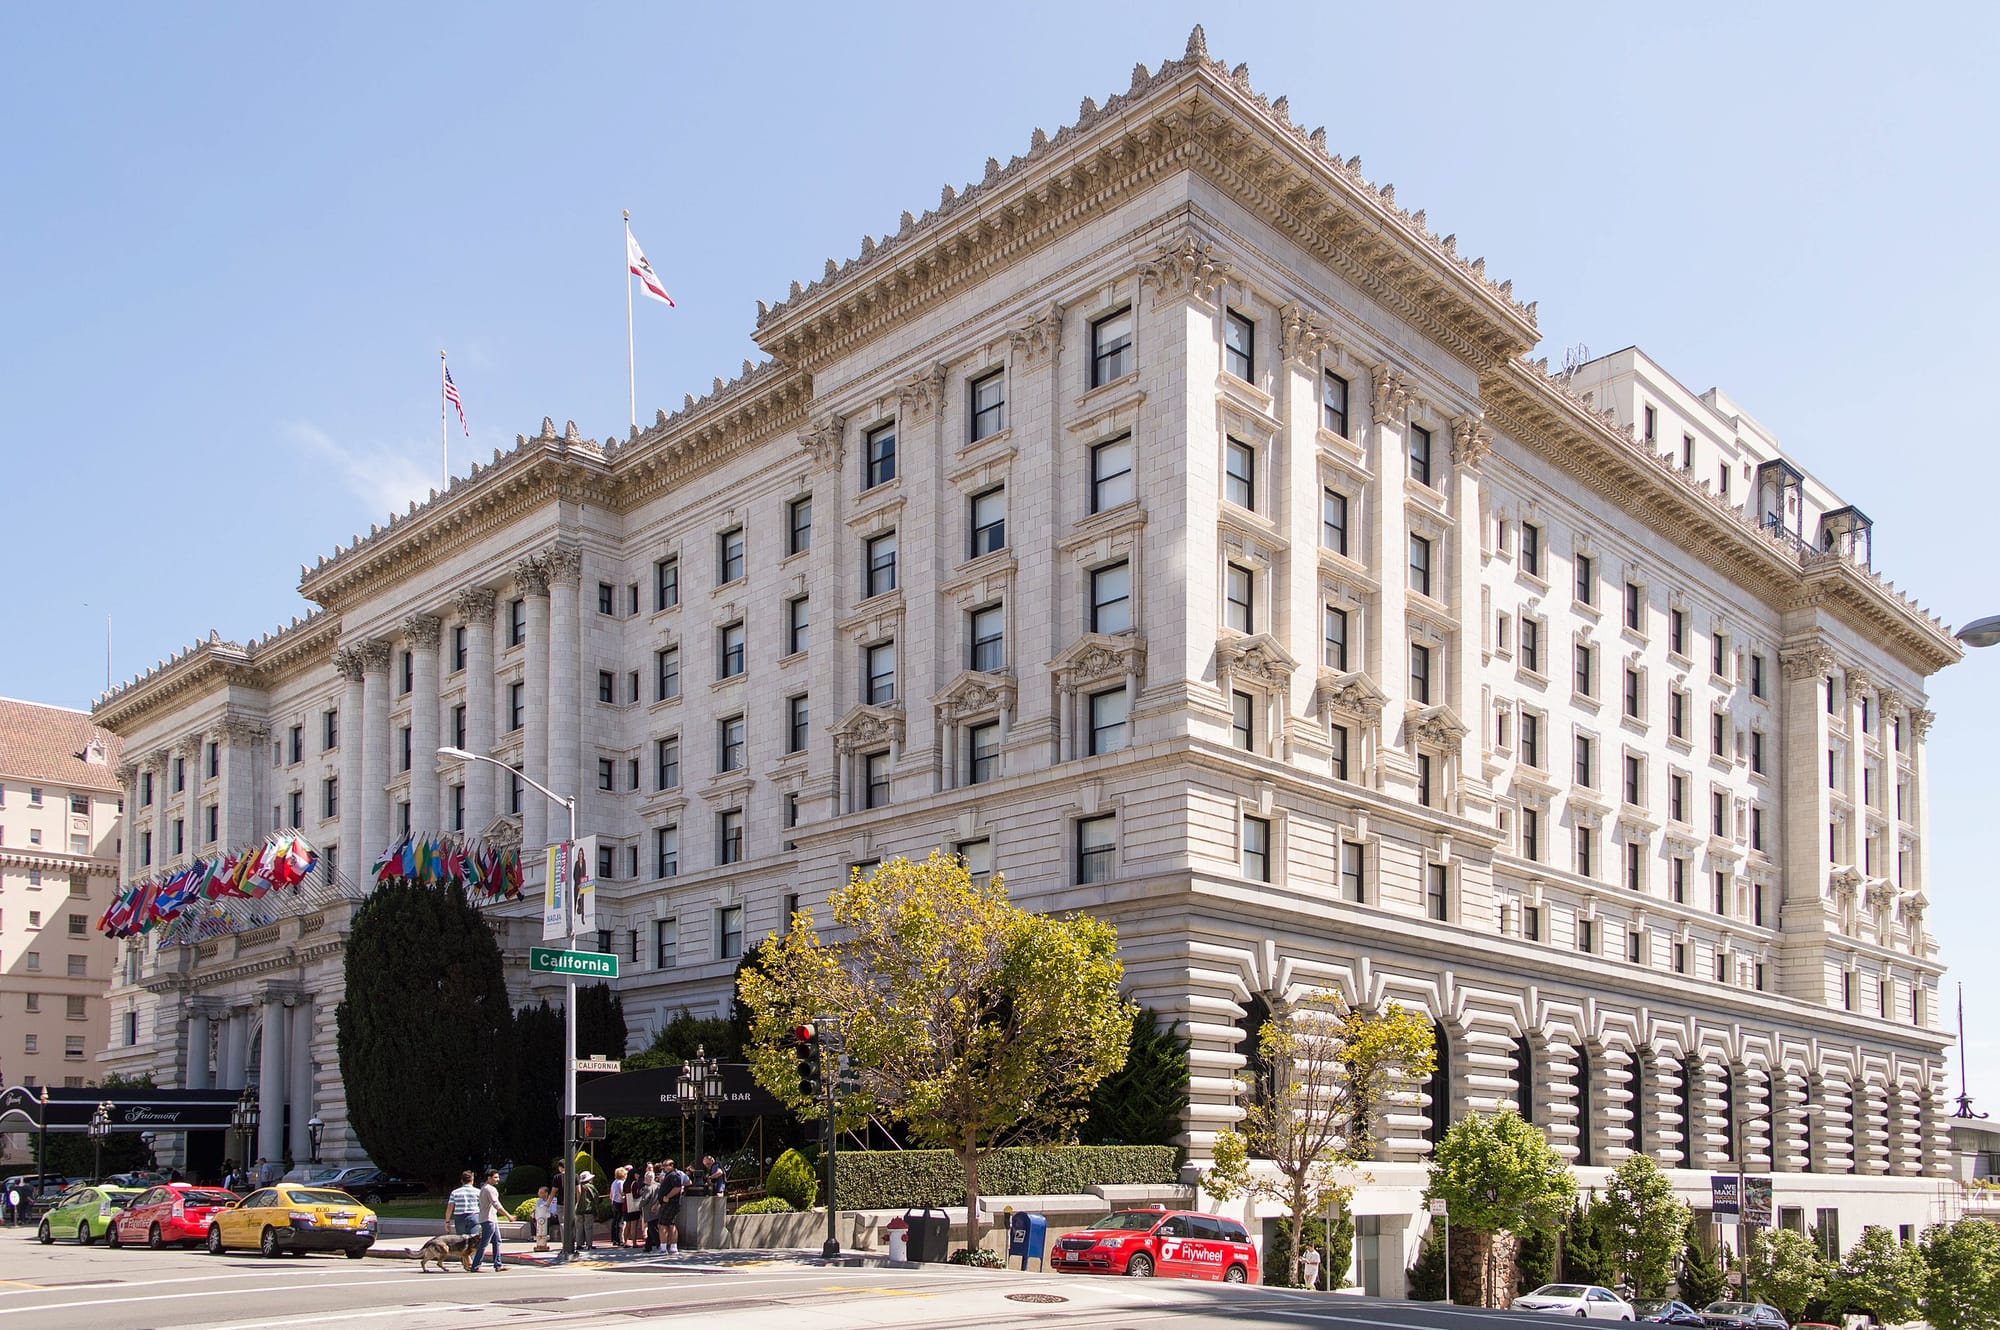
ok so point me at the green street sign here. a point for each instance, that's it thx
(589, 964)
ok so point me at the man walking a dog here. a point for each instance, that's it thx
(461, 1209)
(489, 1221)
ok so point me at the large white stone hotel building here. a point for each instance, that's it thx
(1174, 523)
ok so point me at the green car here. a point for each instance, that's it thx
(84, 1213)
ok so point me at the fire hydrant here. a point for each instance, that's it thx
(899, 1239)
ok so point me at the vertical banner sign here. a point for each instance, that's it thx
(1722, 1197)
(555, 894)
(583, 884)
(1756, 1201)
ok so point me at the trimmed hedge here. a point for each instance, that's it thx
(894, 1179)
(770, 1205)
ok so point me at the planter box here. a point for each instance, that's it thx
(805, 1228)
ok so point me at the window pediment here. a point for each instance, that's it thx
(866, 727)
(1100, 656)
(974, 692)
(1256, 659)
(1350, 693)
(1435, 727)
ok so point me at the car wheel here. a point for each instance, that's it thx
(356, 1253)
(1582, 1313)
(111, 1235)
(153, 1238)
(1140, 1266)
(268, 1244)
(1235, 1274)
(42, 1234)
(83, 1233)
(372, 1199)
(215, 1240)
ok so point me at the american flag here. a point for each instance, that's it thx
(451, 395)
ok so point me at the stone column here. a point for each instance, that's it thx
(563, 695)
(128, 859)
(242, 743)
(533, 576)
(354, 859)
(1388, 646)
(162, 770)
(197, 1077)
(422, 631)
(828, 583)
(476, 605)
(299, 1091)
(271, 1080)
(229, 1074)
(374, 738)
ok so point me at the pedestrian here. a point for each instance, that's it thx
(618, 1204)
(586, 1211)
(461, 1208)
(1311, 1263)
(559, 1199)
(714, 1176)
(628, 1216)
(672, 1187)
(489, 1221)
(13, 1206)
(544, 1212)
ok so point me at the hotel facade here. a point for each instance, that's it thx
(1173, 523)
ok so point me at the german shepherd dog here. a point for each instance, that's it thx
(462, 1246)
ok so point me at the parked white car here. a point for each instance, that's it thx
(1599, 1304)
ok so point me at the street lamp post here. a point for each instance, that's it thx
(567, 1201)
(243, 1118)
(42, 1144)
(313, 1129)
(700, 1085)
(100, 1127)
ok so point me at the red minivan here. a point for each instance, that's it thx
(1175, 1244)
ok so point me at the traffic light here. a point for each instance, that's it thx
(589, 1128)
(809, 1057)
(850, 1075)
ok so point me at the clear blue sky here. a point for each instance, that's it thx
(233, 239)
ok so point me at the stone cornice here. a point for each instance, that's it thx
(1192, 114)
(206, 664)
(1537, 412)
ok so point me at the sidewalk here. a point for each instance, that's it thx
(607, 1257)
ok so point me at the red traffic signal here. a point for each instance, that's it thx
(589, 1128)
(805, 1033)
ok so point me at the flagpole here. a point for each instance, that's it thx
(444, 428)
(631, 377)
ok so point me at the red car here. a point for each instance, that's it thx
(1176, 1244)
(172, 1213)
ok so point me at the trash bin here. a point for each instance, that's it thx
(899, 1239)
(930, 1234)
(1028, 1236)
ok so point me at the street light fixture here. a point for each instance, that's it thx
(42, 1144)
(100, 1127)
(313, 1129)
(567, 1200)
(1981, 632)
(700, 1085)
(243, 1118)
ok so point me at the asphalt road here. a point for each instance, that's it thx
(71, 1288)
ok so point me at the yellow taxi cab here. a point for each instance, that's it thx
(294, 1217)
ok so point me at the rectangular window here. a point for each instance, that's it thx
(1238, 589)
(212, 753)
(1586, 852)
(1632, 692)
(1333, 403)
(607, 773)
(1651, 416)
(1722, 480)
(517, 622)
(1420, 564)
(1677, 797)
(1719, 656)
(731, 746)
(1586, 669)
(729, 837)
(329, 791)
(1677, 631)
(1586, 761)
(987, 630)
(1757, 752)
(1111, 348)
(989, 404)
(1531, 739)
(1531, 645)
(1096, 848)
(1757, 829)
(329, 738)
(210, 820)
(798, 728)
(1677, 713)
(983, 744)
(1680, 881)
(458, 722)
(799, 525)
(1239, 474)
(875, 780)
(403, 754)
(1420, 674)
(666, 942)
(1437, 891)
(607, 598)
(295, 808)
(732, 642)
(1531, 922)
(1333, 521)
(1111, 474)
(666, 583)
(1718, 813)
(1243, 720)
(1531, 549)
(1334, 643)
(667, 763)
(1757, 677)
(879, 456)
(1531, 834)
(1718, 733)
(989, 521)
(295, 745)
(1635, 864)
(1239, 346)
(1635, 782)
(1257, 849)
(517, 791)
(1586, 580)
(666, 673)
(517, 705)
(730, 557)
(607, 686)
(1420, 455)
(879, 576)
(1353, 866)
(1108, 713)
(1339, 737)
(1635, 607)
(1586, 936)
(1111, 598)
(978, 856)
(1425, 767)
(881, 666)
(729, 932)
(1680, 958)
(459, 648)
(458, 808)
(798, 620)
(666, 851)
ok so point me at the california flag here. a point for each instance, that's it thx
(635, 258)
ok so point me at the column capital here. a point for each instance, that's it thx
(126, 774)
(1807, 660)
(350, 663)
(563, 564)
(475, 603)
(1474, 440)
(375, 656)
(923, 392)
(1920, 722)
(1186, 266)
(826, 440)
(423, 630)
(191, 743)
(1392, 393)
(1303, 339)
(1040, 336)
(531, 575)
(244, 730)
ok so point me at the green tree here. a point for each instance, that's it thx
(532, 1117)
(1702, 1280)
(1534, 1257)
(1142, 1102)
(1588, 1253)
(1498, 1174)
(1331, 1067)
(685, 1035)
(1880, 1278)
(1426, 1275)
(1786, 1270)
(600, 1021)
(1336, 1249)
(424, 1031)
(1962, 1279)
(967, 1019)
(1645, 1222)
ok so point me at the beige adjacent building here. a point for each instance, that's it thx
(61, 824)
(1174, 522)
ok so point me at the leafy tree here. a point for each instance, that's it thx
(1426, 1276)
(1534, 1258)
(1336, 1248)
(1142, 1102)
(793, 1180)
(1332, 1066)
(1498, 1174)
(532, 1118)
(1644, 1223)
(1702, 1280)
(600, 1021)
(424, 1031)
(1962, 1283)
(1786, 1270)
(1588, 1254)
(685, 1035)
(966, 1018)
(1880, 1278)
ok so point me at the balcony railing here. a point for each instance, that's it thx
(205, 920)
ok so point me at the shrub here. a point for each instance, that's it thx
(524, 1209)
(792, 1180)
(979, 1256)
(770, 1205)
(528, 1178)
(893, 1179)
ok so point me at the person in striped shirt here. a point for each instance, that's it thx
(462, 1206)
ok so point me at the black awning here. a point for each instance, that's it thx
(654, 1093)
(70, 1109)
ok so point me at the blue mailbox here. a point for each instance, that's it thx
(1028, 1236)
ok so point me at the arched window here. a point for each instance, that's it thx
(1586, 1154)
(1524, 1077)
(1256, 1014)
(1439, 1086)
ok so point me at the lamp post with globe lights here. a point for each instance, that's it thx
(1979, 633)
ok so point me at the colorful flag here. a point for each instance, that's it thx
(649, 281)
(451, 395)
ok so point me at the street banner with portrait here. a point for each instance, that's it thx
(555, 892)
(583, 885)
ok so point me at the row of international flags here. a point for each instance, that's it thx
(483, 871)
(283, 860)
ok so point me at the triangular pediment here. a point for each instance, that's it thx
(1436, 727)
(866, 727)
(1349, 693)
(1100, 656)
(974, 691)
(1256, 658)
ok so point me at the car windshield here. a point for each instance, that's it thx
(1733, 1308)
(1130, 1220)
(209, 1197)
(317, 1196)
(1558, 1291)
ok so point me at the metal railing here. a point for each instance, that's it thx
(204, 921)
